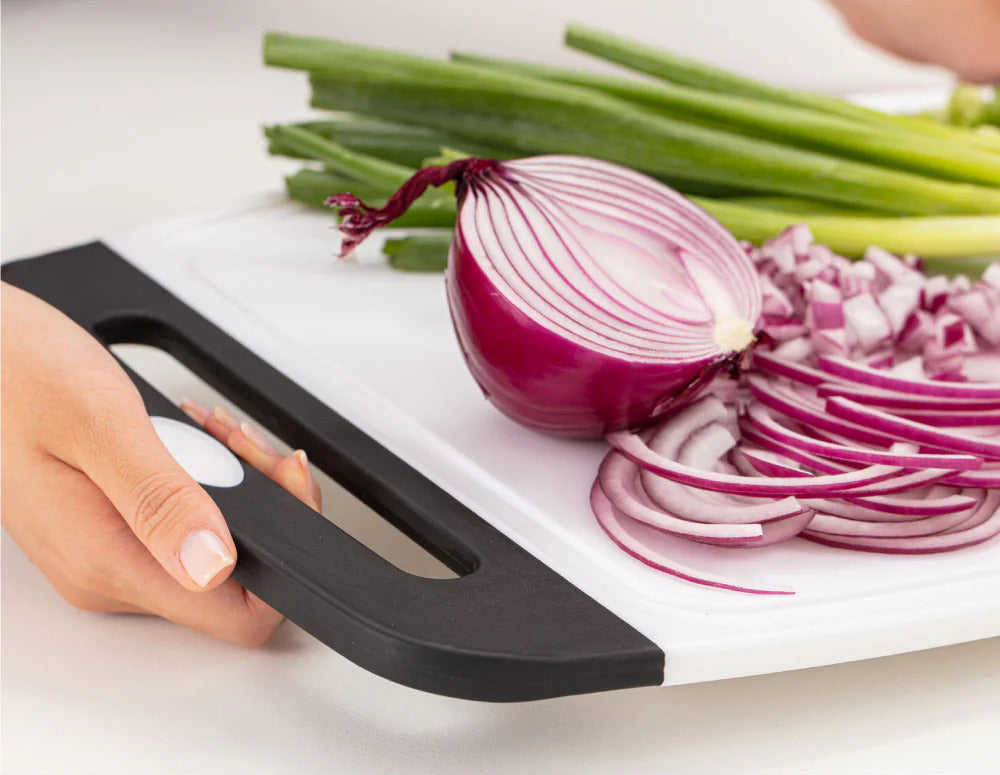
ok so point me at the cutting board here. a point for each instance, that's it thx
(358, 364)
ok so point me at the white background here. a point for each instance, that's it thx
(115, 113)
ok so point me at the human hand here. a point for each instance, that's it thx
(962, 35)
(95, 500)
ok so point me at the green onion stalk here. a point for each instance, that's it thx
(681, 70)
(887, 146)
(537, 116)
(953, 243)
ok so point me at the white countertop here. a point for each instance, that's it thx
(117, 113)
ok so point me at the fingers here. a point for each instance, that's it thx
(166, 509)
(78, 539)
(292, 472)
(294, 475)
(85, 599)
(228, 612)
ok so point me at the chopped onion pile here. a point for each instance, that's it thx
(870, 420)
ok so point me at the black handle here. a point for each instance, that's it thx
(507, 629)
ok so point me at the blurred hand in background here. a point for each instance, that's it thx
(961, 35)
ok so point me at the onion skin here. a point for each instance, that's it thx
(543, 381)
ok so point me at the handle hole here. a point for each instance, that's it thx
(175, 381)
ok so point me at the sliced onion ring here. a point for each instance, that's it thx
(987, 526)
(910, 430)
(898, 400)
(627, 535)
(762, 421)
(634, 448)
(614, 480)
(867, 376)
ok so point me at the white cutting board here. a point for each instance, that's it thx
(377, 346)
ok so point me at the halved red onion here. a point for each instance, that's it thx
(586, 297)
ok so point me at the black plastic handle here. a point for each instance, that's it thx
(508, 629)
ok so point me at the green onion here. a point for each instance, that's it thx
(312, 187)
(678, 69)
(954, 244)
(799, 206)
(772, 121)
(943, 237)
(419, 252)
(399, 143)
(541, 116)
(336, 157)
(384, 175)
(970, 106)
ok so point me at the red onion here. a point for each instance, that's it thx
(589, 299)
(842, 370)
(895, 509)
(982, 525)
(903, 401)
(913, 431)
(617, 481)
(631, 538)
(586, 297)
(873, 406)
(760, 419)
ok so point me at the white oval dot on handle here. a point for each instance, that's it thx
(206, 460)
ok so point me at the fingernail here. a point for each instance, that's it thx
(257, 439)
(300, 455)
(224, 417)
(203, 555)
(194, 410)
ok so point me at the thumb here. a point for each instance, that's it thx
(166, 509)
